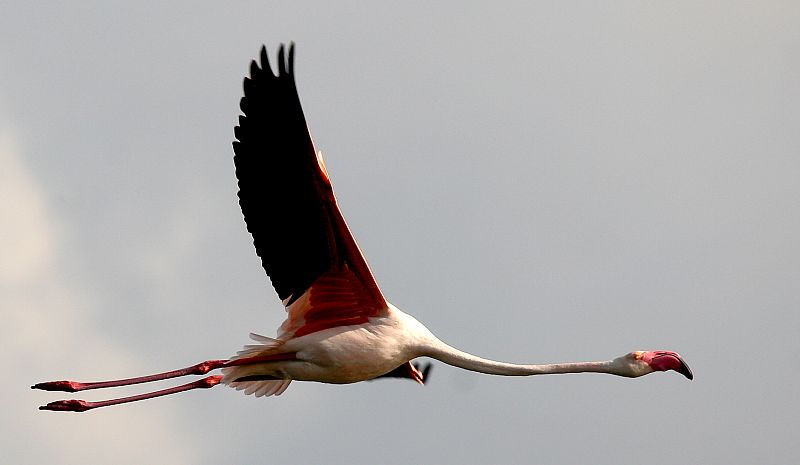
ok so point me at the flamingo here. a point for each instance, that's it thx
(339, 327)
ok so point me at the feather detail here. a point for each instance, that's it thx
(266, 388)
(264, 344)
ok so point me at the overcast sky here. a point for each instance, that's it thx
(536, 182)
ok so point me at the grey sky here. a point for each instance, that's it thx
(535, 182)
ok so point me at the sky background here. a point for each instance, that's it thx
(534, 181)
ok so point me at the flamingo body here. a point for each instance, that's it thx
(343, 354)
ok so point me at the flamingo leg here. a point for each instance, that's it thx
(198, 369)
(77, 405)
(75, 386)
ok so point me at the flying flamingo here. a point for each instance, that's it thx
(340, 328)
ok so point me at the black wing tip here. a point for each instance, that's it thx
(259, 72)
(285, 61)
(405, 371)
(281, 61)
(291, 58)
(426, 370)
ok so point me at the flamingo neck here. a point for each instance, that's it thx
(461, 359)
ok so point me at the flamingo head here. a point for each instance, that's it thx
(640, 363)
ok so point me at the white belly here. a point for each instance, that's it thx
(348, 354)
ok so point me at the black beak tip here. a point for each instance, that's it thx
(685, 370)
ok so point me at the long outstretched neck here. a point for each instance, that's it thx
(452, 356)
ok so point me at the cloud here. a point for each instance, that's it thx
(48, 333)
(26, 241)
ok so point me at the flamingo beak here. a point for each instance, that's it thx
(663, 360)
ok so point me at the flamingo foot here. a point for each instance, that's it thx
(71, 405)
(63, 386)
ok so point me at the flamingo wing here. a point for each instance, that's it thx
(286, 196)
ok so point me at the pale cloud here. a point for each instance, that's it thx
(26, 238)
(47, 331)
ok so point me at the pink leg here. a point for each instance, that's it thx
(199, 369)
(76, 405)
(75, 386)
